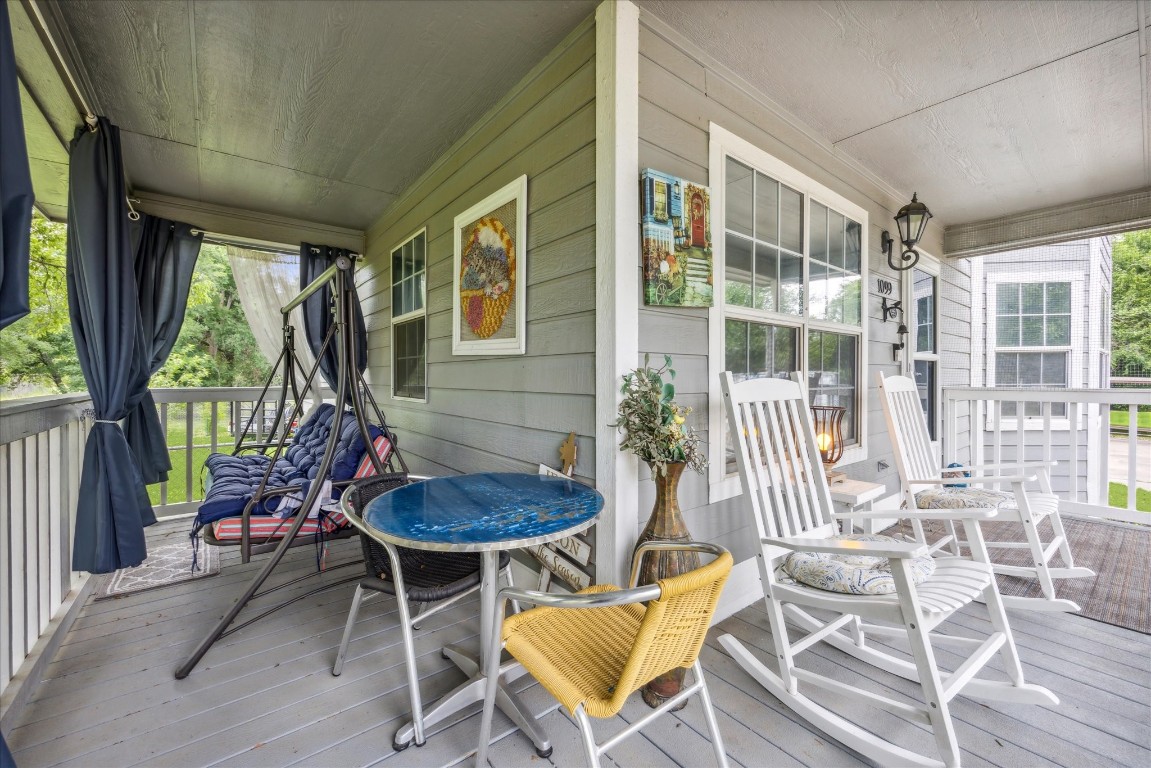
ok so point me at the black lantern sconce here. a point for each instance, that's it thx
(912, 222)
(888, 310)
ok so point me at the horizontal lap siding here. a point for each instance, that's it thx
(509, 412)
(680, 94)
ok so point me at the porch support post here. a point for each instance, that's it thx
(617, 274)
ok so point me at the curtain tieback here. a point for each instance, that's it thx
(106, 421)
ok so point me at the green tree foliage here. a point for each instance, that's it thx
(215, 348)
(1131, 302)
(37, 353)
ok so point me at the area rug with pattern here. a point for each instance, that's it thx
(1119, 553)
(167, 564)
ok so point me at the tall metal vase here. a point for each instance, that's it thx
(665, 524)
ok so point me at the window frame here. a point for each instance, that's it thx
(991, 345)
(403, 319)
(932, 266)
(724, 144)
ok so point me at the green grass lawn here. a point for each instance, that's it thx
(1123, 418)
(177, 487)
(1117, 497)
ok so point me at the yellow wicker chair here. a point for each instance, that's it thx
(593, 649)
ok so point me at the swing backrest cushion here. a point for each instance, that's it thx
(232, 480)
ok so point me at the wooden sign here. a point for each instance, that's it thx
(561, 566)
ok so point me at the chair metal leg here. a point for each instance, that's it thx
(409, 651)
(709, 716)
(591, 749)
(338, 666)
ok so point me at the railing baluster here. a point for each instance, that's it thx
(164, 429)
(57, 462)
(31, 515)
(1132, 445)
(16, 553)
(189, 441)
(1073, 431)
(43, 514)
(7, 663)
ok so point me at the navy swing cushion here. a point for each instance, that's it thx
(233, 480)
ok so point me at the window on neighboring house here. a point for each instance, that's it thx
(409, 318)
(1032, 338)
(922, 343)
(791, 285)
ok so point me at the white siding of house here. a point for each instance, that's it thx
(681, 92)
(505, 413)
(1086, 264)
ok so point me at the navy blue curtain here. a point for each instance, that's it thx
(165, 256)
(16, 196)
(318, 318)
(113, 505)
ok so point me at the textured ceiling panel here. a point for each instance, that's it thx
(1056, 134)
(138, 58)
(319, 109)
(254, 186)
(844, 67)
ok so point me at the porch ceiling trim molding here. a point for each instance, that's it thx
(253, 225)
(1107, 215)
(617, 274)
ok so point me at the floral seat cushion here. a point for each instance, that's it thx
(852, 574)
(963, 498)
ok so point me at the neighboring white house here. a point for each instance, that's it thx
(1042, 318)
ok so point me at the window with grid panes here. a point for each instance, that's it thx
(409, 318)
(1032, 338)
(924, 355)
(792, 290)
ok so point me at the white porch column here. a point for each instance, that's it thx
(617, 274)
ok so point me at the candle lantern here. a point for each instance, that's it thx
(829, 437)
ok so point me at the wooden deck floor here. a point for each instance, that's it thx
(265, 696)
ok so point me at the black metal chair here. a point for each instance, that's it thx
(432, 580)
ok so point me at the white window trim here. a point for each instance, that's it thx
(723, 144)
(931, 265)
(1074, 356)
(422, 312)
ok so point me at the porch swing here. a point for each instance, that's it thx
(258, 478)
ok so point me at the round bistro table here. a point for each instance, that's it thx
(486, 513)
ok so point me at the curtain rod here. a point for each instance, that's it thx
(57, 57)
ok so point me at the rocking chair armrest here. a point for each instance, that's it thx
(980, 480)
(1006, 465)
(888, 549)
(923, 514)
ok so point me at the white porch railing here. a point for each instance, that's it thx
(198, 422)
(1070, 426)
(41, 455)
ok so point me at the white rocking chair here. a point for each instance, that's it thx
(787, 493)
(925, 486)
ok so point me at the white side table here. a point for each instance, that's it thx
(856, 495)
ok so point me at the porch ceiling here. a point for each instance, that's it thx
(325, 111)
(320, 111)
(984, 108)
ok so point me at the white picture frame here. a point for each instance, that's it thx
(489, 281)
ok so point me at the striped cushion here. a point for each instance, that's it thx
(232, 528)
(383, 447)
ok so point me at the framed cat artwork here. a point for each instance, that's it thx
(489, 311)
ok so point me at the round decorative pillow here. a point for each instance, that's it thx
(852, 574)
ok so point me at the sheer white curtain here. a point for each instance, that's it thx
(265, 282)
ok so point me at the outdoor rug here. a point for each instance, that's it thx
(167, 564)
(1119, 593)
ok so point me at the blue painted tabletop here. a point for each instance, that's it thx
(486, 511)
